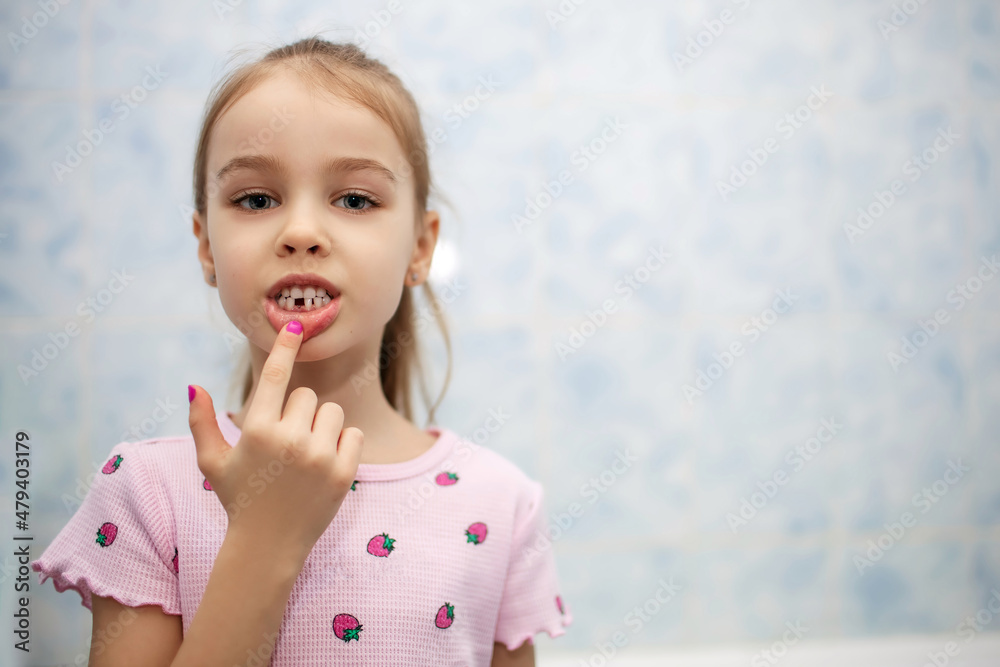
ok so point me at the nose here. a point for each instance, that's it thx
(303, 233)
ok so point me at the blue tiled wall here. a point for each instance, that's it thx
(692, 91)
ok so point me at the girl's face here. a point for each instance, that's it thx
(301, 181)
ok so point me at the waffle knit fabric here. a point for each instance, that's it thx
(427, 562)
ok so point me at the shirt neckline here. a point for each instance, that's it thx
(373, 472)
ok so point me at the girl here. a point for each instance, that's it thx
(287, 533)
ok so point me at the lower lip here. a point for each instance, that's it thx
(313, 321)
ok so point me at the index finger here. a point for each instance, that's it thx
(269, 399)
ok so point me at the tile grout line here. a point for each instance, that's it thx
(975, 418)
(86, 110)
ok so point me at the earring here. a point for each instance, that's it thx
(414, 276)
(212, 279)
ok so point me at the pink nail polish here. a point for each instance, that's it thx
(294, 326)
(191, 393)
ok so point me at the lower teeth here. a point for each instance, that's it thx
(306, 304)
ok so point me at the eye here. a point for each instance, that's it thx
(355, 201)
(258, 201)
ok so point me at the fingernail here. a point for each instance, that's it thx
(191, 393)
(294, 326)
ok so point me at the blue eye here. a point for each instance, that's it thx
(355, 201)
(258, 201)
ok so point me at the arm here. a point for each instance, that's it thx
(244, 601)
(141, 635)
(522, 656)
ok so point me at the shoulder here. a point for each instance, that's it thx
(157, 454)
(473, 455)
(494, 471)
(154, 466)
(170, 451)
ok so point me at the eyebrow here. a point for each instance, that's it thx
(273, 164)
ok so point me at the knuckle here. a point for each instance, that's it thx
(287, 455)
(304, 392)
(311, 460)
(334, 409)
(273, 373)
(205, 465)
(290, 439)
(342, 476)
(252, 427)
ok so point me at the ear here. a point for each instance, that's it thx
(426, 241)
(200, 229)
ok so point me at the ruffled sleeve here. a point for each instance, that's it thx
(531, 602)
(119, 542)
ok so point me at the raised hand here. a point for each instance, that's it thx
(318, 458)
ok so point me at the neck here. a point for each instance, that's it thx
(351, 380)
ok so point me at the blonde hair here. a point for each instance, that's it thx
(345, 69)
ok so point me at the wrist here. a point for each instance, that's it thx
(280, 551)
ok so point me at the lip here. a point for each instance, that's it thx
(313, 321)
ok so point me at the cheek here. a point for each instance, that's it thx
(244, 309)
(376, 279)
(375, 262)
(238, 254)
(239, 290)
(236, 279)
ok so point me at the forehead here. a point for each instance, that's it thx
(303, 126)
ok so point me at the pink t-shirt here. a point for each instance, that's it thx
(427, 562)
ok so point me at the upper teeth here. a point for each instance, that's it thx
(303, 297)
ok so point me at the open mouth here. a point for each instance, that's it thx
(303, 299)
(316, 313)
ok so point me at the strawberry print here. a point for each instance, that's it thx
(354, 485)
(476, 533)
(112, 464)
(560, 605)
(445, 616)
(175, 560)
(346, 627)
(446, 478)
(207, 485)
(381, 545)
(107, 534)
